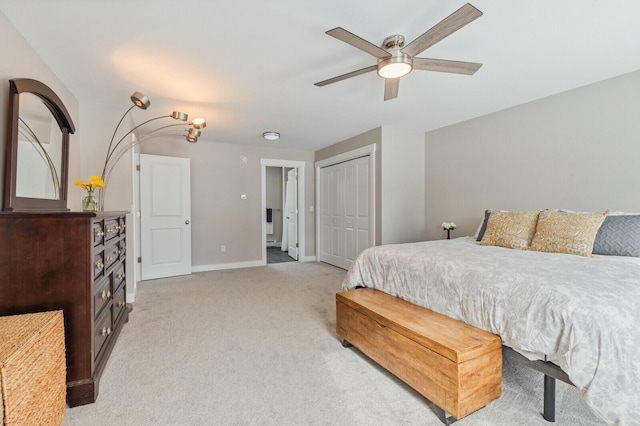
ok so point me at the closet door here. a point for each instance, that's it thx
(331, 179)
(356, 209)
(345, 211)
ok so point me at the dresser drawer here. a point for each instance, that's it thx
(102, 331)
(98, 265)
(123, 225)
(111, 255)
(98, 233)
(119, 277)
(122, 247)
(111, 228)
(119, 304)
(101, 296)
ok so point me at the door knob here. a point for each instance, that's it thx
(187, 221)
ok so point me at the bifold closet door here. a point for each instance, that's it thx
(345, 211)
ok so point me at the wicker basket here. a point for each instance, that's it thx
(32, 369)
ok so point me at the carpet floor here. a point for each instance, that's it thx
(257, 346)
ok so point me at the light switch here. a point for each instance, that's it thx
(243, 196)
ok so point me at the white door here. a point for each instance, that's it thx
(356, 209)
(331, 206)
(345, 218)
(291, 207)
(165, 209)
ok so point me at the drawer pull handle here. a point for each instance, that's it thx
(118, 227)
(100, 233)
(99, 265)
(121, 303)
(110, 230)
(109, 259)
(108, 293)
(120, 275)
(103, 295)
(104, 331)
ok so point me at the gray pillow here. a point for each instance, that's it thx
(483, 228)
(618, 236)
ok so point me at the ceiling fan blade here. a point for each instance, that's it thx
(357, 42)
(347, 75)
(391, 88)
(444, 65)
(447, 26)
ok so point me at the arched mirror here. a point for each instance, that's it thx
(37, 152)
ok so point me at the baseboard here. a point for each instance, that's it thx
(221, 266)
(274, 244)
(308, 259)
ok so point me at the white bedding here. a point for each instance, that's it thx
(582, 313)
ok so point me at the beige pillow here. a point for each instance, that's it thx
(573, 233)
(510, 229)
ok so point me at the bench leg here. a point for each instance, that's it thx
(549, 399)
(346, 344)
(444, 417)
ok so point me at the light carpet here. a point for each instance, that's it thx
(257, 346)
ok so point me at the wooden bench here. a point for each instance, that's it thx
(456, 366)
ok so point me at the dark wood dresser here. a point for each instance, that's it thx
(73, 261)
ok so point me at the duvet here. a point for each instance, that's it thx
(581, 313)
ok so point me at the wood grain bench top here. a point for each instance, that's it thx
(453, 339)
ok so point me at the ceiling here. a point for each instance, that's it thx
(249, 66)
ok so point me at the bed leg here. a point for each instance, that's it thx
(346, 344)
(444, 417)
(549, 398)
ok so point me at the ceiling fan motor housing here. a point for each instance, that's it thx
(399, 64)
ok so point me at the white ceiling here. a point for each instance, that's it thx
(249, 66)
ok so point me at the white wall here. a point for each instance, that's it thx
(578, 150)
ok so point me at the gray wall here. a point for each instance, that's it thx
(373, 136)
(19, 60)
(219, 216)
(578, 150)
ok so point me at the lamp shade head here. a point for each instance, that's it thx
(179, 115)
(192, 139)
(271, 136)
(199, 123)
(140, 100)
(194, 133)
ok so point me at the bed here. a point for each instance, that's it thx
(581, 313)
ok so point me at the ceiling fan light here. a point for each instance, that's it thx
(394, 69)
(271, 136)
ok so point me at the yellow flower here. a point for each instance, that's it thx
(94, 182)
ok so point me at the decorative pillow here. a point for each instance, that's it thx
(510, 229)
(619, 235)
(573, 233)
(483, 225)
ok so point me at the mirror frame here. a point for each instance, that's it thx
(60, 113)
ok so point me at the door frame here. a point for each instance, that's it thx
(267, 162)
(367, 150)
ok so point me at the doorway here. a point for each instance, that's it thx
(282, 208)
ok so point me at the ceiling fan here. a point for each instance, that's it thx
(396, 60)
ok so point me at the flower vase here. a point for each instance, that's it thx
(90, 203)
(448, 234)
